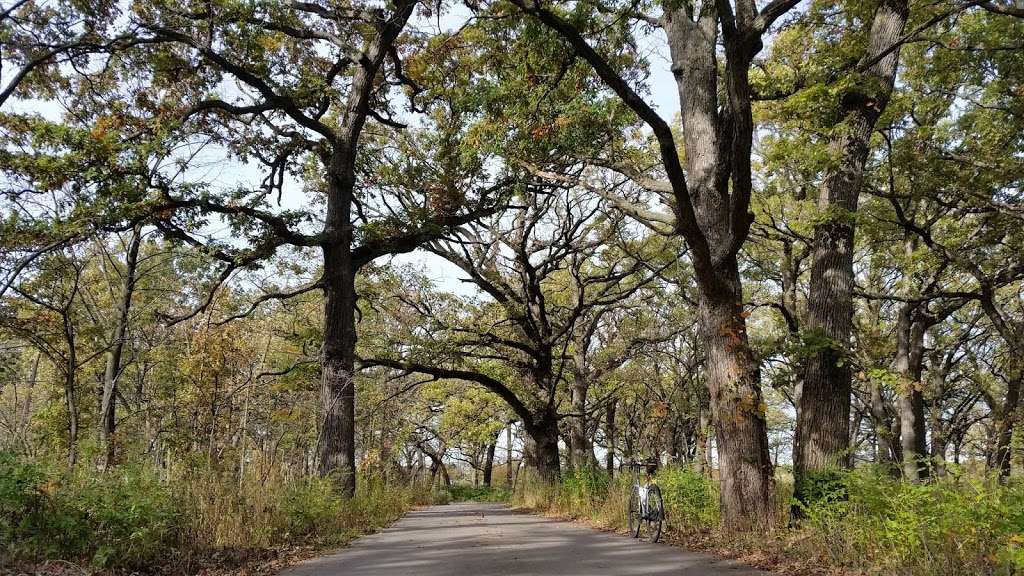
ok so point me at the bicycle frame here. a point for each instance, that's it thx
(641, 488)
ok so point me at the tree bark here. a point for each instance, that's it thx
(489, 464)
(733, 377)
(337, 447)
(701, 465)
(1003, 455)
(882, 423)
(609, 429)
(508, 459)
(908, 364)
(542, 454)
(112, 369)
(581, 453)
(823, 413)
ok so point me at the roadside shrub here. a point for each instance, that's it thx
(691, 499)
(470, 493)
(23, 504)
(119, 519)
(587, 494)
(582, 490)
(949, 526)
(309, 508)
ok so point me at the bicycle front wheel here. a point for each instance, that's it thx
(655, 513)
(634, 514)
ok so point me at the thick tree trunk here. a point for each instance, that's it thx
(112, 369)
(542, 448)
(823, 414)
(733, 377)
(581, 453)
(489, 464)
(337, 446)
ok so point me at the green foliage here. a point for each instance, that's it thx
(583, 488)
(130, 519)
(119, 519)
(691, 499)
(950, 526)
(470, 493)
(821, 488)
(865, 520)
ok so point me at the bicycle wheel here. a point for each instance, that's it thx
(634, 514)
(655, 513)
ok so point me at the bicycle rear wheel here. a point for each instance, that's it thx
(655, 513)
(634, 514)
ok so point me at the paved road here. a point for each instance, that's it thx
(490, 540)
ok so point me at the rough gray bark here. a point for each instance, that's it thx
(337, 454)
(908, 364)
(823, 412)
(581, 452)
(112, 368)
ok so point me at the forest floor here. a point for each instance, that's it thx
(485, 539)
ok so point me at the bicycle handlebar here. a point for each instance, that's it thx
(640, 464)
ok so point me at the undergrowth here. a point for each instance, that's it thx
(130, 519)
(871, 524)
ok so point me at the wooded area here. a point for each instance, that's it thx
(324, 258)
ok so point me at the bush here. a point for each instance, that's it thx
(691, 499)
(950, 526)
(129, 519)
(470, 493)
(309, 509)
(125, 519)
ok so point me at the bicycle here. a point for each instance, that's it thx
(646, 506)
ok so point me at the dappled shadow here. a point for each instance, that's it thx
(490, 540)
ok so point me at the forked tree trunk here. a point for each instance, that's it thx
(337, 455)
(823, 413)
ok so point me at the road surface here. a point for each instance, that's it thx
(491, 540)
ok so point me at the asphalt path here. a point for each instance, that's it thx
(479, 539)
